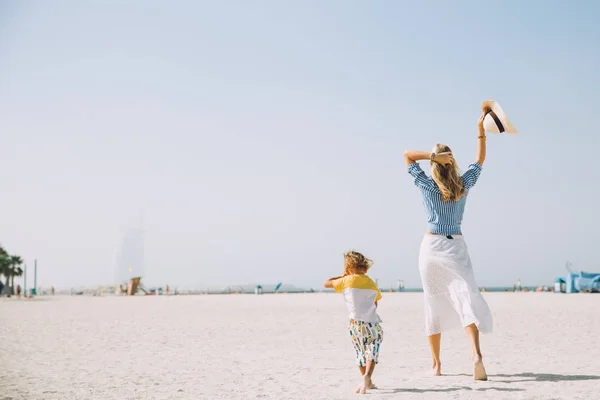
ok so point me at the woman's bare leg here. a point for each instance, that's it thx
(479, 373)
(435, 342)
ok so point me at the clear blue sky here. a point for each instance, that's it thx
(260, 140)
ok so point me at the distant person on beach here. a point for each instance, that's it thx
(361, 295)
(452, 298)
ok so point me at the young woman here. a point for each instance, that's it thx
(452, 298)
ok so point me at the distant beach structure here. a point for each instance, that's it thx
(400, 285)
(130, 257)
(577, 281)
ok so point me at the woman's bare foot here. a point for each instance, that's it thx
(437, 369)
(479, 373)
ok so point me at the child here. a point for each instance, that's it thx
(361, 295)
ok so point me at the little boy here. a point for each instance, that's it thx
(361, 295)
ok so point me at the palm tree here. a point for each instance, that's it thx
(10, 266)
(16, 270)
(5, 267)
(4, 262)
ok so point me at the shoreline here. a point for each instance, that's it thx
(92, 293)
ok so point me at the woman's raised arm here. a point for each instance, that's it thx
(481, 139)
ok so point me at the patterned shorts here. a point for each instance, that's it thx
(366, 339)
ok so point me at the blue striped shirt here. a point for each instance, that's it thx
(444, 218)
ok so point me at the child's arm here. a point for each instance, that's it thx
(329, 282)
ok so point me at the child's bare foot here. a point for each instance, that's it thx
(366, 384)
(359, 388)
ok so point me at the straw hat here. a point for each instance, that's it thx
(496, 121)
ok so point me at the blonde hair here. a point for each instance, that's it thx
(356, 262)
(447, 177)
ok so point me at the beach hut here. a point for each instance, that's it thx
(560, 285)
(588, 282)
(577, 282)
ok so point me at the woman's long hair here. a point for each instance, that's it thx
(447, 177)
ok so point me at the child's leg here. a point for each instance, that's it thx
(357, 335)
(367, 377)
(362, 363)
(372, 343)
(363, 372)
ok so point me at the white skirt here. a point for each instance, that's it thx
(452, 298)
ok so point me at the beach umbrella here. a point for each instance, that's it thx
(277, 286)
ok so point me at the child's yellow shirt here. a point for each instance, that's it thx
(360, 293)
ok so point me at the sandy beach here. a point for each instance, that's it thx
(286, 346)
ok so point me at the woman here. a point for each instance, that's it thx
(452, 298)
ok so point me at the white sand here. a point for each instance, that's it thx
(286, 347)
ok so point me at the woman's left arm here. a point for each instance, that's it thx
(412, 156)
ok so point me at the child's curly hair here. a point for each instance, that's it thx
(356, 262)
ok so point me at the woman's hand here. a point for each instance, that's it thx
(444, 158)
(481, 129)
